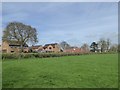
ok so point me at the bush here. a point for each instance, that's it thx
(35, 55)
(10, 56)
(40, 55)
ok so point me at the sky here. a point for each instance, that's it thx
(73, 22)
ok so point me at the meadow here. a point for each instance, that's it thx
(83, 71)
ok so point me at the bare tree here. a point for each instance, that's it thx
(102, 44)
(108, 44)
(64, 45)
(85, 47)
(114, 48)
(16, 31)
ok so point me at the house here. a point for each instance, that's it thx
(54, 47)
(73, 50)
(12, 47)
(37, 48)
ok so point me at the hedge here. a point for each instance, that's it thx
(40, 55)
(35, 55)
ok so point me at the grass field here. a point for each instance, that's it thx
(85, 71)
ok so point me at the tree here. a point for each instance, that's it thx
(118, 47)
(85, 47)
(114, 48)
(94, 47)
(108, 44)
(64, 45)
(16, 31)
(102, 44)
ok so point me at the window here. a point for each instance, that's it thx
(12, 51)
(50, 48)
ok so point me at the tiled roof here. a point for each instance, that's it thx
(52, 44)
(36, 47)
(16, 43)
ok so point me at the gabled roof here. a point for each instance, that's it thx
(52, 44)
(36, 47)
(16, 43)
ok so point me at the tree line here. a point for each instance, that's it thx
(103, 45)
(17, 31)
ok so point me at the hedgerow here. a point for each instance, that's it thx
(40, 55)
(35, 55)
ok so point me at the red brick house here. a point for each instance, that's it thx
(37, 48)
(54, 47)
(12, 47)
(73, 50)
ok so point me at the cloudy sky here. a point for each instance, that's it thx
(76, 23)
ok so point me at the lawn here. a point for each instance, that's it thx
(85, 71)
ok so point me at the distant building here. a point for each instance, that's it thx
(37, 48)
(15, 47)
(12, 47)
(73, 50)
(54, 47)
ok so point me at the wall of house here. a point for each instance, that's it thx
(49, 48)
(26, 49)
(56, 49)
(40, 48)
(6, 48)
(15, 49)
(53, 49)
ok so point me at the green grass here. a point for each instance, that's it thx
(85, 71)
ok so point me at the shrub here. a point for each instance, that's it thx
(10, 56)
(40, 55)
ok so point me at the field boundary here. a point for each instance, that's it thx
(43, 55)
